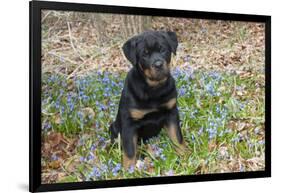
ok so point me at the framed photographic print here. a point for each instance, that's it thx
(125, 96)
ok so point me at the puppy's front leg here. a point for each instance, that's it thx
(173, 129)
(129, 143)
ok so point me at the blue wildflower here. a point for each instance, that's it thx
(140, 165)
(163, 157)
(93, 147)
(131, 169)
(54, 157)
(187, 58)
(116, 169)
(241, 168)
(95, 172)
(192, 137)
(157, 150)
(170, 173)
(235, 140)
(91, 156)
(80, 115)
(210, 89)
(200, 131)
(257, 130)
(104, 168)
(261, 142)
(57, 104)
(182, 91)
(47, 126)
(82, 159)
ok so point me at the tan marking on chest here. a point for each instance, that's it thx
(140, 113)
(170, 104)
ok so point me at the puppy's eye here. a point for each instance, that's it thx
(146, 52)
(162, 50)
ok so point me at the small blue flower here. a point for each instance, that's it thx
(200, 131)
(250, 145)
(140, 165)
(93, 147)
(104, 168)
(54, 157)
(110, 163)
(95, 172)
(170, 173)
(261, 142)
(57, 104)
(82, 159)
(187, 58)
(241, 168)
(235, 140)
(204, 30)
(210, 89)
(131, 169)
(192, 137)
(80, 115)
(47, 126)
(163, 157)
(257, 130)
(91, 156)
(182, 91)
(116, 169)
(81, 142)
(156, 150)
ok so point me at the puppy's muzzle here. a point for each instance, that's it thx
(158, 64)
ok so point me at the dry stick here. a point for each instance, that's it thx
(45, 16)
(75, 70)
(67, 59)
(71, 42)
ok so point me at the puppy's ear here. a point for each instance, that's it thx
(172, 39)
(129, 49)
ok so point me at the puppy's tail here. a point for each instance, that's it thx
(114, 130)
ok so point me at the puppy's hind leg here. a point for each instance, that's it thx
(114, 130)
(174, 131)
(129, 144)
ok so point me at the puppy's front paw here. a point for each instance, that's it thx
(128, 162)
(181, 149)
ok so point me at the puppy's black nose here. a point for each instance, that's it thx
(158, 64)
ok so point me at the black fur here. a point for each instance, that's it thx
(147, 51)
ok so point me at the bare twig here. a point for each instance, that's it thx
(45, 16)
(64, 58)
(71, 42)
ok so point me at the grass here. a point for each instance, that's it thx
(222, 120)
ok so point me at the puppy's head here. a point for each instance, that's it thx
(150, 52)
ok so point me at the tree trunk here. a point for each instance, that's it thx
(99, 25)
(133, 25)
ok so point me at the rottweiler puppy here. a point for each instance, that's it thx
(149, 98)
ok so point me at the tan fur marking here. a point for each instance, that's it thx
(140, 113)
(180, 147)
(171, 103)
(154, 83)
(147, 73)
(127, 162)
(171, 129)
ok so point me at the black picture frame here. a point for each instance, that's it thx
(35, 8)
